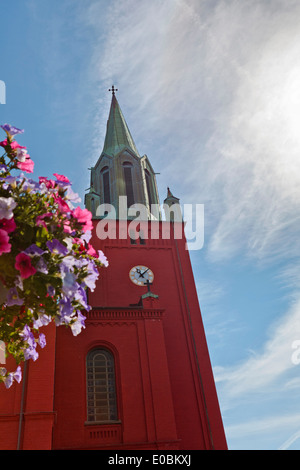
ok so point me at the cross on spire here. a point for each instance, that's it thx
(113, 89)
(148, 284)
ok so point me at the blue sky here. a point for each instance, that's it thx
(210, 91)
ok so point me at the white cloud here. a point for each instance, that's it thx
(263, 369)
(215, 87)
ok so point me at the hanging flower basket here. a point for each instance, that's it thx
(46, 260)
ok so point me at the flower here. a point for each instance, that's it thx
(84, 217)
(65, 311)
(102, 258)
(56, 247)
(40, 219)
(91, 278)
(77, 326)
(91, 250)
(18, 374)
(41, 266)
(62, 178)
(70, 285)
(27, 165)
(31, 353)
(11, 129)
(34, 250)
(23, 264)
(13, 298)
(7, 205)
(5, 247)
(8, 225)
(42, 320)
(50, 238)
(13, 145)
(21, 154)
(42, 340)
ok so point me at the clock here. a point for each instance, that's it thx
(140, 274)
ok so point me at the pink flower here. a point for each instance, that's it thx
(62, 178)
(49, 183)
(84, 217)
(62, 204)
(91, 250)
(8, 225)
(27, 165)
(13, 145)
(23, 264)
(40, 219)
(5, 247)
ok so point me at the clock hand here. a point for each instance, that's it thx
(142, 274)
(139, 272)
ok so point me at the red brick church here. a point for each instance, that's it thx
(139, 375)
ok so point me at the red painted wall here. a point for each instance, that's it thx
(171, 352)
(165, 386)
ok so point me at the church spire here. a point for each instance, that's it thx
(118, 136)
(121, 171)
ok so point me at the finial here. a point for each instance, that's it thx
(169, 193)
(113, 89)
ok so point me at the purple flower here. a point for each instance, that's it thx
(70, 285)
(65, 312)
(50, 290)
(77, 326)
(7, 205)
(71, 196)
(18, 374)
(34, 250)
(31, 353)
(56, 247)
(8, 381)
(81, 297)
(41, 266)
(27, 336)
(91, 278)
(102, 258)
(13, 298)
(43, 320)
(11, 129)
(42, 340)
(86, 236)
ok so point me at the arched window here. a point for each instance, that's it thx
(106, 184)
(127, 166)
(101, 386)
(149, 187)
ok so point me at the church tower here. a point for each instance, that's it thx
(139, 375)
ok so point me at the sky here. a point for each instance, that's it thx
(210, 92)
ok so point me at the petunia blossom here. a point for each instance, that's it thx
(56, 247)
(84, 217)
(13, 298)
(9, 225)
(23, 264)
(12, 130)
(7, 205)
(27, 165)
(102, 258)
(5, 246)
(62, 178)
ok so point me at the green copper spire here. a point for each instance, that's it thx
(118, 135)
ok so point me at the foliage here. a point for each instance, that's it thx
(46, 260)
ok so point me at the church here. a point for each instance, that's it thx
(139, 375)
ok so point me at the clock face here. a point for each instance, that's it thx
(140, 274)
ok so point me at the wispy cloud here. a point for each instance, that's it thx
(217, 87)
(263, 369)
